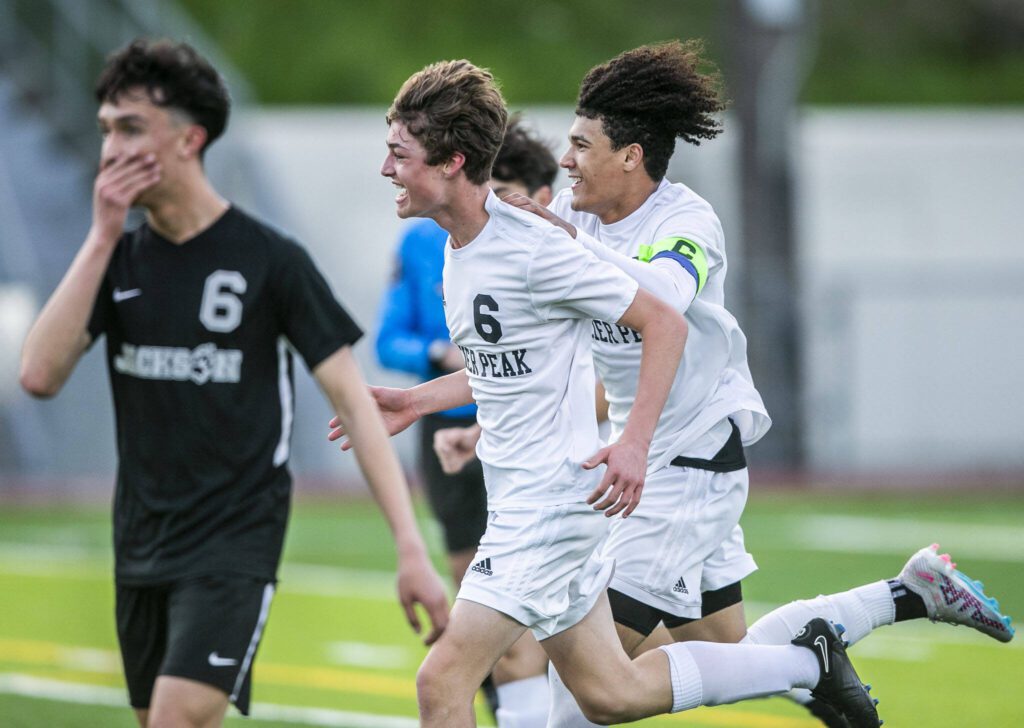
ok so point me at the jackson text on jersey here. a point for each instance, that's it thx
(205, 363)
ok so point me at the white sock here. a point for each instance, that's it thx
(565, 713)
(859, 610)
(523, 703)
(709, 673)
(800, 696)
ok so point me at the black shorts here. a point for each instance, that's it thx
(201, 628)
(459, 501)
(643, 618)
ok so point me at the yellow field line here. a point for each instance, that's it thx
(336, 679)
(51, 654)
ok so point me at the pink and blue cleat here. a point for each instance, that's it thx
(953, 597)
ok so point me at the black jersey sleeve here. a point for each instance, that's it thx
(101, 310)
(311, 317)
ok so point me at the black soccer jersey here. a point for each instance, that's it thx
(198, 351)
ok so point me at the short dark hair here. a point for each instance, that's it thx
(651, 95)
(174, 76)
(453, 106)
(524, 158)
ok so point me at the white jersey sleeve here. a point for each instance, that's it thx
(566, 280)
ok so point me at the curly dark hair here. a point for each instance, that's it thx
(524, 158)
(174, 76)
(454, 106)
(651, 95)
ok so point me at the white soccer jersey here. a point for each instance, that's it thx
(519, 300)
(713, 381)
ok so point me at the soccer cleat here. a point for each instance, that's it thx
(829, 716)
(839, 685)
(951, 596)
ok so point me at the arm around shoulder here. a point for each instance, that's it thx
(666, 280)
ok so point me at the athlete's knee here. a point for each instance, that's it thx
(181, 703)
(430, 684)
(604, 710)
(179, 716)
(439, 683)
(605, 704)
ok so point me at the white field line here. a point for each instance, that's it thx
(78, 562)
(816, 532)
(848, 534)
(69, 692)
(365, 654)
(904, 536)
(333, 581)
(20, 557)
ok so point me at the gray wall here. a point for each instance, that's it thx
(910, 257)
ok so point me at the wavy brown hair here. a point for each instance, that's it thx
(651, 95)
(453, 106)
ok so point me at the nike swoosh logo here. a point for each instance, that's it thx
(120, 295)
(218, 661)
(822, 645)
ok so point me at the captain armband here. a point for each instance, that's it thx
(687, 253)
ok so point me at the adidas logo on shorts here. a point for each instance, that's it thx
(483, 566)
(681, 587)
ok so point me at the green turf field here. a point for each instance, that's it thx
(338, 653)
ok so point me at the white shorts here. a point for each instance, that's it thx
(540, 566)
(683, 539)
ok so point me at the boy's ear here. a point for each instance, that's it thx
(634, 157)
(456, 162)
(193, 141)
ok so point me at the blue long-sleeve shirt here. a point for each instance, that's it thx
(412, 312)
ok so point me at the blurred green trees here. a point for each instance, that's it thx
(859, 51)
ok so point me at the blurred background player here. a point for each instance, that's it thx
(413, 337)
(200, 306)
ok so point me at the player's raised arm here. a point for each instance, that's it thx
(59, 335)
(418, 582)
(401, 407)
(664, 335)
